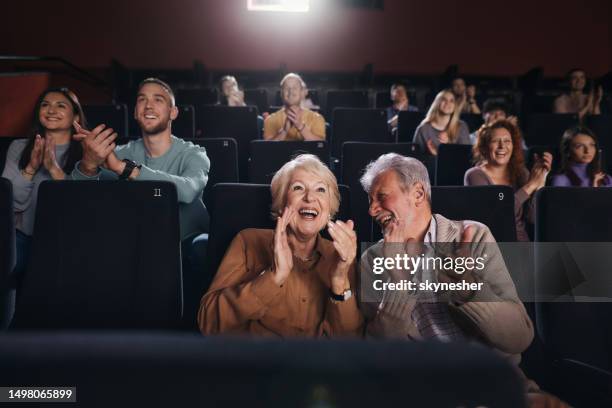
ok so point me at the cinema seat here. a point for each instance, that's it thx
(197, 96)
(407, 123)
(473, 120)
(346, 99)
(104, 255)
(232, 215)
(7, 253)
(196, 210)
(223, 155)
(546, 129)
(188, 371)
(114, 116)
(358, 125)
(601, 125)
(257, 97)
(383, 100)
(5, 143)
(490, 205)
(239, 123)
(184, 124)
(542, 102)
(452, 162)
(269, 156)
(355, 157)
(574, 311)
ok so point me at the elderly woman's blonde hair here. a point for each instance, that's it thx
(312, 164)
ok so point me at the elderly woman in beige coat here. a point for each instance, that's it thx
(290, 281)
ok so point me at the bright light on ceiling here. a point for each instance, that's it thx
(299, 6)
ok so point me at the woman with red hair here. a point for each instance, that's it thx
(500, 161)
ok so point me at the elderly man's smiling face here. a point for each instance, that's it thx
(389, 200)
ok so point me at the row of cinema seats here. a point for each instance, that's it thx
(7, 253)
(121, 268)
(259, 97)
(534, 103)
(359, 125)
(163, 370)
(145, 267)
(347, 124)
(539, 129)
(265, 158)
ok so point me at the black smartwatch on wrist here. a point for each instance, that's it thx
(129, 167)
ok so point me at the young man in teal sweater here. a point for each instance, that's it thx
(158, 155)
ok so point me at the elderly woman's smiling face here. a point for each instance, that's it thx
(310, 196)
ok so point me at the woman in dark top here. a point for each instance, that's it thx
(580, 160)
(500, 161)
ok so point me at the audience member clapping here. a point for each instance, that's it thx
(575, 100)
(293, 121)
(49, 153)
(441, 125)
(289, 281)
(229, 92)
(158, 155)
(499, 159)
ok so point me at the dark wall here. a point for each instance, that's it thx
(408, 36)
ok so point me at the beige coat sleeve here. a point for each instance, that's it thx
(343, 318)
(238, 293)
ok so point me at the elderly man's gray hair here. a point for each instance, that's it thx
(409, 170)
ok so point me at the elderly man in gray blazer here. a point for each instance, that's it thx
(484, 306)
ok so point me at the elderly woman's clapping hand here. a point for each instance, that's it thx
(283, 256)
(345, 242)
